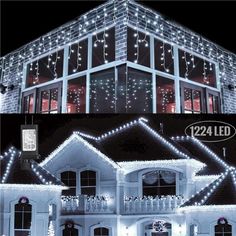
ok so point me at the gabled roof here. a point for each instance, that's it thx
(201, 152)
(12, 173)
(136, 141)
(222, 191)
(77, 138)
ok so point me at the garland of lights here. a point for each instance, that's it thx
(224, 58)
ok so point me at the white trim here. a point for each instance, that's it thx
(32, 187)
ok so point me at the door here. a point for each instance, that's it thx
(49, 99)
(192, 99)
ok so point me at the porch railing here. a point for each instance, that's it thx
(145, 205)
(87, 205)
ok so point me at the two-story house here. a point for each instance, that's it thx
(132, 180)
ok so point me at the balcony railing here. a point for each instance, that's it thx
(87, 205)
(146, 205)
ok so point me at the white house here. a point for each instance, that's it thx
(132, 180)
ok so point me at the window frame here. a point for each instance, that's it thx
(142, 172)
(176, 77)
(98, 174)
(76, 178)
(33, 217)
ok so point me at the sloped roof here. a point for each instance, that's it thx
(13, 173)
(203, 153)
(222, 191)
(136, 141)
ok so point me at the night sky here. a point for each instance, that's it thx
(54, 129)
(24, 21)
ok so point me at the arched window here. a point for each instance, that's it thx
(88, 182)
(23, 217)
(70, 229)
(223, 228)
(101, 231)
(159, 183)
(69, 179)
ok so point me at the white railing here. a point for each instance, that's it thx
(87, 205)
(144, 205)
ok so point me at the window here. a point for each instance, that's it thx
(139, 92)
(164, 57)
(213, 102)
(165, 95)
(69, 179)
(45, 69)
(70, 229)
(50, 99)
(23, 218)
(196, 69)
(223, 228)
(103, 47)
(76, 95)
(88, 182)
(138, 47)
(78, 57)
(159, 183)
(101, 232)
(102, 92)
(28, 102)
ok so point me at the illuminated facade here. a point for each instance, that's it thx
(119, 58)
(175, 187)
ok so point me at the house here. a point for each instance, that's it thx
(132, 180)
(119, 58)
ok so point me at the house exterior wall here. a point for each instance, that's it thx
(120, 14)
(38, 198)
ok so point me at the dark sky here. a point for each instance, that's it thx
(24, 21)
(54, 129)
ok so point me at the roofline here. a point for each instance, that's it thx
(33, 187)
(207, 208)
(78, 138)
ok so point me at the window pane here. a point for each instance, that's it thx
(70, 232)
(90, 191)
(165, 95)
(45, 69)
(69, 192)
(102, 92)
(188, 100)
(164, 57)
(139, 92)
(45, 101)
(54, 99)
(18, 220)
(196, 69)
(103, 47)
(197, 101)
(76, 95)
(138, 47)
(78, 57)
(28, 104)
(101, 232)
